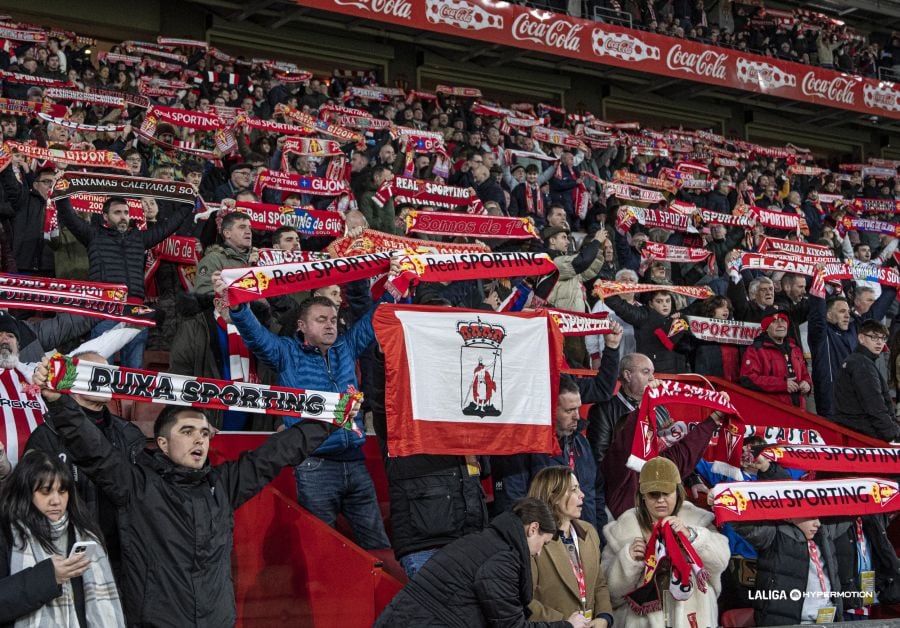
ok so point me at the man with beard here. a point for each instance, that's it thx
(22, 410)
(116, 252)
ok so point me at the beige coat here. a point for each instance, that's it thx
(623, 573)
(556, 594)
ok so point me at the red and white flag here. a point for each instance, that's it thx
(468, 381)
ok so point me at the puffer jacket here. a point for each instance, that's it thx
(481, 580)
(574, 270)
(119, 257)
(176, 523)
(652, 335)
(783, 565)
(301, 365)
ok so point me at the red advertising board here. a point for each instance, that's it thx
(509, 24)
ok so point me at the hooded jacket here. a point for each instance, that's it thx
(765, 368)
(176, 523)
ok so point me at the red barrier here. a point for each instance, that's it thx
(291, 569)
(510, 24)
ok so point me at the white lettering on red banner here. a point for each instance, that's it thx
(707, 63)
(397, 8)
(559, 33)
(838, 89)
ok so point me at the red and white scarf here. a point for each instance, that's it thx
(667, 546)
(241, 363)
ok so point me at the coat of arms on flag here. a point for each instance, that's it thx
(481, 368)
(465, 381)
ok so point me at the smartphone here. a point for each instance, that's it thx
(84, 548)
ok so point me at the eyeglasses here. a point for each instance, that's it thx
(876, 337)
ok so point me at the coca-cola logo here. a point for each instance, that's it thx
(395, 8)
(708, 63)
(622, 46)
(461, 14)
(838, 89)
(768, 76)
(560, 34)
(881, 97)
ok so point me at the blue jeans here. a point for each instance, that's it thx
(412, 563)
(327, 487)
(132, 354)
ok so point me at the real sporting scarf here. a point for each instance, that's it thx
(144, 50)
(419, 95)
(60, 93)
(310, 222)
(711, 217)
(298, 184)
(340, 110)
(852, 223)
(678, 254)
(603, 289)
(464, 92)
(783, 499)
(404, 190)
(723, 331)
(27, 108)
(665, 546)
(59, 301)
(132, 99)
(91, 203)
(579, 323)
(182, 43)
(196, 120)
(89, 289)
(109, 57)
(628, 215)
(249, 284)
(776, 219)
(72, 183)
(634, 194)
(311, 146)
(875, 205)
(524, 154)
(30, 79)
(648, 441)
(777, 245)
(271, 126)
(272, 257)
(83, 158)
(470, 225)
(555, 136)
(320, 126)
(436, 267)
(80, 126)
(178, 250)
(642, 180)
(71, 375)
(371, 241)
(882, 461)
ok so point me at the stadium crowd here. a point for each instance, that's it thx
(798, 35)
(691, 252)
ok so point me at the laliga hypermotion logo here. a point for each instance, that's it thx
(731, 499)
(252, 282)
(481, 368)
(882, 493)
(622, 46)
(461, 14)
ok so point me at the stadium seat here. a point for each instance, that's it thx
(738, 618)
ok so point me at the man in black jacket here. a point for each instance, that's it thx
(176, 511)
(32, 251)
(116, 252)
(125, 437)
(861, 395)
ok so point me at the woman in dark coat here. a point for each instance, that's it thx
(659, 332)
(483, 579)
(716, 358)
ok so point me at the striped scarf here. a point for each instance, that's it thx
(23, 410)
(101, 598)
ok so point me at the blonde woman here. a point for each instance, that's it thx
(566, 577)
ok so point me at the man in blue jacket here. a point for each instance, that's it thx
(334, 478)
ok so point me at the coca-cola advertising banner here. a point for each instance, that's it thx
(509, 24)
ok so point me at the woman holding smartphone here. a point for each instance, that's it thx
(43, 582)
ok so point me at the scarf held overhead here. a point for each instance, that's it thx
(71, 375)
(470, 225)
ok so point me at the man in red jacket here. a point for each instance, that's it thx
(774, 364)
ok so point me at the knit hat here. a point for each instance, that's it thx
(659, 475)
(9, 324)
(770, 318)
